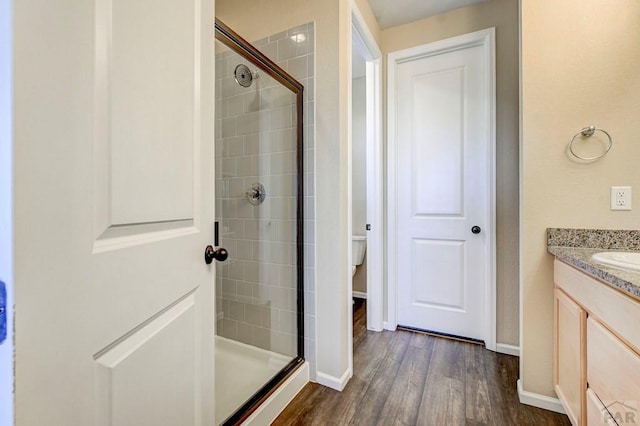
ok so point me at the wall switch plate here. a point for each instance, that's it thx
(620, 198)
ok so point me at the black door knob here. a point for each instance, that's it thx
(476, 229)
(220, 254)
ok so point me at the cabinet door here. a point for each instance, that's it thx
(597, 413)
(613, 373)
(569, 356)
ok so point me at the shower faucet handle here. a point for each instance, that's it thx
(220, 254)
(256, 193)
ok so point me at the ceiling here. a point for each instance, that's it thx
(390, 13)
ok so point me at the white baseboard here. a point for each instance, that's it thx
(503, 348)
(359, 294)
(278, 401)
(540, 401)
(386, 325)
(337, 383)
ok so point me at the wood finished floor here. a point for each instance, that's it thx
(407, 378)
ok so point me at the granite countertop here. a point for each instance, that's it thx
(576, 246)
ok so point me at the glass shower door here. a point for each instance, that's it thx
(258, 288)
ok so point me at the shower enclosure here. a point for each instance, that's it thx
(259, 210)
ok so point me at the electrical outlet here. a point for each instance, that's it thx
(620, 198)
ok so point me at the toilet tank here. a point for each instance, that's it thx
(358, 248)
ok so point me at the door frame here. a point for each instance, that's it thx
(368, 48)
(6, 208)
(485, 39)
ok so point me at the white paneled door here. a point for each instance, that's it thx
(114, 206)
(442, 135)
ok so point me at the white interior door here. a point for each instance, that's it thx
(443, 168)
(114, 205)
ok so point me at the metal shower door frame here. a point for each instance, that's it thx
(235, 42)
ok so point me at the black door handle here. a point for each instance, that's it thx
(220, 254)
(476, 229)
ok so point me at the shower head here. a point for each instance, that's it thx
(244, 76)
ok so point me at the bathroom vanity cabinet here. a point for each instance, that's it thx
(596, 349)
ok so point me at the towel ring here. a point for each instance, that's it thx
(588, 132)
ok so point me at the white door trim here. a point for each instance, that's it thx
(486, 39)
(373, 55)
(375, 180)
(6, 208)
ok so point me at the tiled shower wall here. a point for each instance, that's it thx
(256, 142)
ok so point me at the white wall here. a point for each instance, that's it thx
(6, 209)
(580, 66)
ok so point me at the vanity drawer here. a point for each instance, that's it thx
(619, 311)
(597, 414)
(613, 369)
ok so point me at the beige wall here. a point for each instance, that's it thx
(580, 66)
(364, 8)
(502, 14)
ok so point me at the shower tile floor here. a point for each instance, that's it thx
(241, 370)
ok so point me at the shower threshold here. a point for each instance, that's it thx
(240, 370)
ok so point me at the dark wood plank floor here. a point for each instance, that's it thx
(407, 378)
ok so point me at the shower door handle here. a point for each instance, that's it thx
(220, 254)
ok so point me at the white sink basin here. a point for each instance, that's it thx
(621, 259)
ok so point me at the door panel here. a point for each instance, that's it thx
(442, 133)
(114, 302)
(438, 102)
(438, 260)
(147, 111)
(157, 356)
(152, 75)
